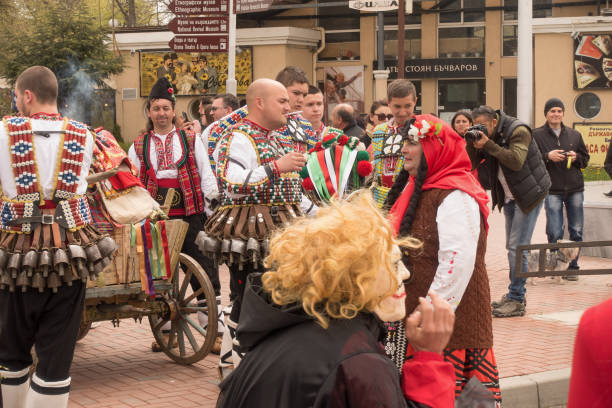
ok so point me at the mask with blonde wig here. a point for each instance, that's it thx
(342, 262)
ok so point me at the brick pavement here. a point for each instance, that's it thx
(113, 367)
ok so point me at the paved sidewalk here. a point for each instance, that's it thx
(113, 367)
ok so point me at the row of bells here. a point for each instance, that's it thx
(51, 268)
(234, 250)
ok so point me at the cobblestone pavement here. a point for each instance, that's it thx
(114, 367)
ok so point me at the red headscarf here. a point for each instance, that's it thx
(448, 168)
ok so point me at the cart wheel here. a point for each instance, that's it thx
(83, 330)
(183, 316)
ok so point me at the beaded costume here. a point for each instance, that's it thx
(388, 159)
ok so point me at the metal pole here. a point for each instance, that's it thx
(524, 80)
(231, 86)
(380, 45)
(401, 18)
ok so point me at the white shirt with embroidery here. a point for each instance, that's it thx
(458, 220)
(46, 151)
(241, 150)
(208, 181)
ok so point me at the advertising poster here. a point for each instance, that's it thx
(194, 73)
(596, 137)
(592, 61)
(344, 85)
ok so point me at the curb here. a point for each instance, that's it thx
(547, 389)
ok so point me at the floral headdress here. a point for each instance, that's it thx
(422, 129)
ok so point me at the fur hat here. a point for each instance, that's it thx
(553, 103)
(162, 89)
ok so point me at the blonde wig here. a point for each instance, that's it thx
(331, 263)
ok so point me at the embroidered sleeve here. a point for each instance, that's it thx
(207, 178)
(87, 157)
(133, 158)
(239, 166)
(458, 222)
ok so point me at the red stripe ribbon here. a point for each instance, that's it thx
(162, 228)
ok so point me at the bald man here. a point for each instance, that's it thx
(260, 190)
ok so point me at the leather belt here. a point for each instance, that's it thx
(45, 219)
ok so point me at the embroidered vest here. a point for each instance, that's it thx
(71, 154)
(188, 177)
(388, 160)
(283, 189)
(220, 129)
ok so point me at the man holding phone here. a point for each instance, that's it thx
(565, 154)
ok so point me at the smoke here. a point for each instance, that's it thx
(76, 92)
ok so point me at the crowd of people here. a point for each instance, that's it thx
(381, 298)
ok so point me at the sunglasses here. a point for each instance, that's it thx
(382, 116)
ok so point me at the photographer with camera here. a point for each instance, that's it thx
(565, 154)
(519, 184)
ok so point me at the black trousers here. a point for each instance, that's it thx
(48, 320)
(196, 224)
(237, 285)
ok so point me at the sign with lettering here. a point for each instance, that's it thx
(199, 43)
(438, 68)
(597, 138)
(252, 6)
(198, 7)
(199, 25)
(379, 5)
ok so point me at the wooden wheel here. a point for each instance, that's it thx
(187, 342)
(83, 330)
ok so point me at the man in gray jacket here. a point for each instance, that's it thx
(519, 184)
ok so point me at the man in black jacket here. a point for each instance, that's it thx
(519, 184)
(343, 118)
(608, 166)
(565, 154)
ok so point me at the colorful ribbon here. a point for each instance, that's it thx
(164, 240)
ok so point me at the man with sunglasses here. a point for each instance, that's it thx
(386, 140)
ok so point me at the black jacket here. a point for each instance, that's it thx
(354, 130)
(293, 362)
(608, 161)
(563, 180)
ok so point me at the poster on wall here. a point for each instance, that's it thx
(343, 85)
(596, 137)
(194, 73)
(592, 61)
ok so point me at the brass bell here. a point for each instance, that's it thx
(238, 248)
(105, 262)
(265, 248)
(107, 246)
(44, 263)
(3, 258)
(93, 253)
(253, 249)
(38, 282)
(60, 261)
(77, 252)
(53, 281)
(30, 262)
(14, 265)
(5, 280)
(199, 241)
(23, 281)
(82, 268)
(225, 250)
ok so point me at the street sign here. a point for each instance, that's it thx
(252, 6)
(379, 5)
(199, 43)
(198, 7)
(199, 25)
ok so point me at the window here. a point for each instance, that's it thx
(412, 43)
(541, 9)
(461, 41)
(462, 11)
(509, 96)
(342, 33)
(456, 95)
(414, 18)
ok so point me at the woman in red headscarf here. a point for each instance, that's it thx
(438, 201)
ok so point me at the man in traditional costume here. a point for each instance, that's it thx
(260, 190)
(48, 247)
(386, 140)
(174, 158)
(438, 201)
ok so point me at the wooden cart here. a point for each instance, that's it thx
(118, 294)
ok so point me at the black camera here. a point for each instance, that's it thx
(473, 133)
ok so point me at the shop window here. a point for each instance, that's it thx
(341, 32)
(587, 105)
(412, 43)
(455, 95)
(414, 18)
(509, 95)
(462, 11)
(456, 42)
